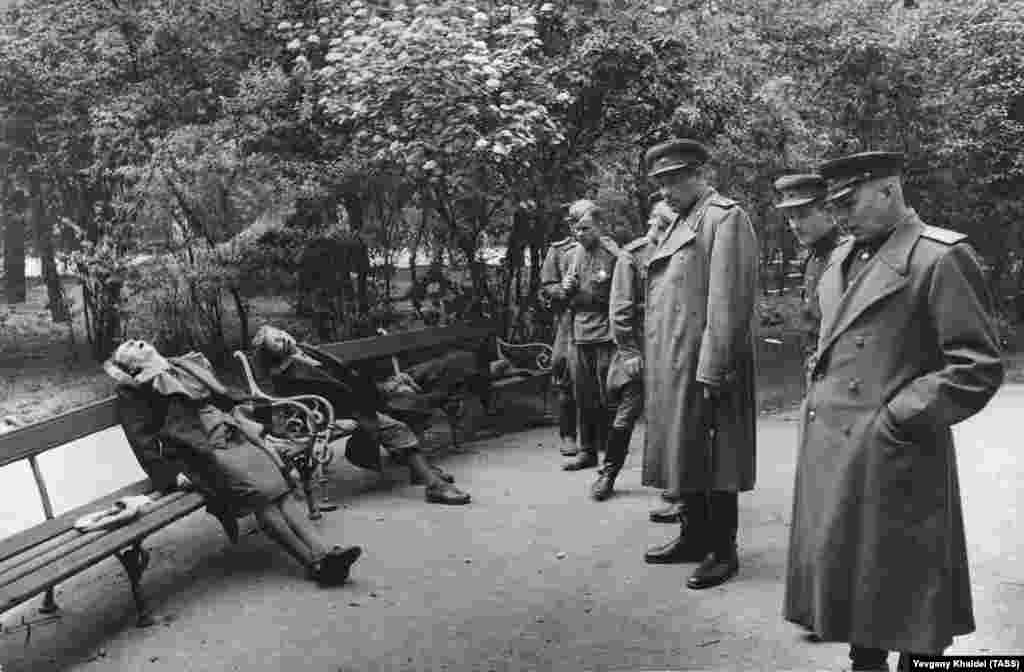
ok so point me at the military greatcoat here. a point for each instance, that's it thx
(700, 328)
(877, 554)
(626, 308)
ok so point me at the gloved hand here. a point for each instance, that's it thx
(633, 366)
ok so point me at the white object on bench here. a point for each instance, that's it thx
(123, 511)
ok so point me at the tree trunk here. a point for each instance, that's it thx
(357, 219)
(43, 227)
(14, 250)
(243, 314)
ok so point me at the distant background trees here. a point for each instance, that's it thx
(357, 133)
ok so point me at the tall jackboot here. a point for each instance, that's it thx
(692, 543)
(567, 425)
(614, 458)
(721, 562)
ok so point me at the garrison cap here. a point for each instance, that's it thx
(847, 172)
(675, 155)
(797, 190)
(581, 208)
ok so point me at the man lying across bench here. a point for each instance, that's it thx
(298, 369)
(189, 431)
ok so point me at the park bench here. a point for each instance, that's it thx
(35, 560)
(524, 363)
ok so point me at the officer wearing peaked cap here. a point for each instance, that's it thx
(699, 371)
(802, 203)
(877, 556)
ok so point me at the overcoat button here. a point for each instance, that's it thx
(860, 341)
(811, 414)
(854, 386)
(847, 430)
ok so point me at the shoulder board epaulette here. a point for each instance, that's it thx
(635, 245)
(722, 202)
(563, 242)
(610, 244)
(941, 235)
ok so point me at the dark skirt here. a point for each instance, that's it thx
(249, 479)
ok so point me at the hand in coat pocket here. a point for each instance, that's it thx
(890, 431)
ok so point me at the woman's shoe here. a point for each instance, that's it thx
(334, 568)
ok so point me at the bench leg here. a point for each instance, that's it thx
(135, 561)
(452, 429)
(307, 491)
(325, 494)
(49, 605)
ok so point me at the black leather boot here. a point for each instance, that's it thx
(691, 544)
(614, 458)
(867, 659)
(721, 562)
(672, 512)
(585, 459)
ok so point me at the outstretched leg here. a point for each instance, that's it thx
(273, 523)
(301, 527)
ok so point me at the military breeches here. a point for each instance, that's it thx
(590, 373)
(629, 404)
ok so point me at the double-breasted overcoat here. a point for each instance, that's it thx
(877, 554)
(700, 328)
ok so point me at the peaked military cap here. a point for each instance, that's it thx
(847, 172)
(675, 155)
(797, 190)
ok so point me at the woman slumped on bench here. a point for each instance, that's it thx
(300, 368)
(189, 431)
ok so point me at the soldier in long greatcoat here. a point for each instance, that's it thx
(700, 368)
(877, 556)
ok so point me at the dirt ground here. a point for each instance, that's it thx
(530, 576)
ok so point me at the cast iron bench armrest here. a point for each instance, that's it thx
(310, 423)
(544, 357)
(319, 412)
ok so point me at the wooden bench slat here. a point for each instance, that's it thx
(37, 557)
(378, 347)
(43, 532)
(57, 431)
(27, 587)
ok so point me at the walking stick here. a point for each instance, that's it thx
(711, 433)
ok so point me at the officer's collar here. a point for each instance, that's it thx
(824, 245)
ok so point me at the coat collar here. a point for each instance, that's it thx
(883, 276)
(684, 228)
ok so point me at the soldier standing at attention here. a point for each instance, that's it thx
(625, 374)
(802, 203)
(588, 287)
(908, 348)
(552, 272)
(699, 373)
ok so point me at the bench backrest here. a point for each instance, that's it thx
(31, 440)
(26, 443)
(379, 347)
